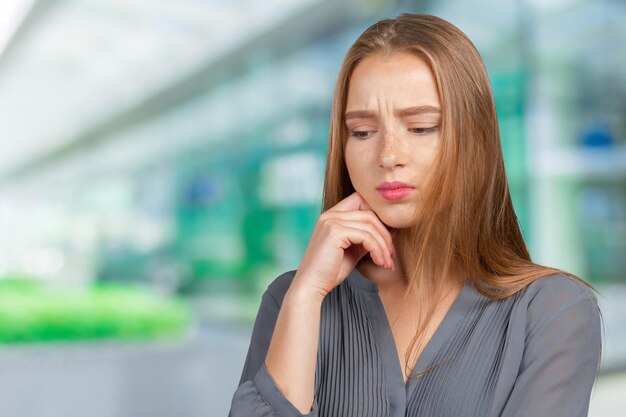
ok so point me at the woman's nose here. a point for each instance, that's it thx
(390, 152)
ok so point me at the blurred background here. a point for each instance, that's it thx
(162, 162)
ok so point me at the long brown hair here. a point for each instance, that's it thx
(467, 221)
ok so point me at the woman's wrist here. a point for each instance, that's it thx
(302, 292)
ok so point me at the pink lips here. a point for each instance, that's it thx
(395, 190)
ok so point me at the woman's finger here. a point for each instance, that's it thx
(352, 202)
(371, 229)
(358, 236)
(369, 217)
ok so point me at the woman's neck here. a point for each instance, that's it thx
(383, 277)
(396, 281)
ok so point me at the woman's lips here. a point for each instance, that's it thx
(395, 194)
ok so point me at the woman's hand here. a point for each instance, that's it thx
(343, 235)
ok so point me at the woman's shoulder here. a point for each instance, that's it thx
(558, 289)
(554, 295)
(279, 286)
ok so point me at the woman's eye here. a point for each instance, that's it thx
(362, 134)
(424, 130)
(359, 133)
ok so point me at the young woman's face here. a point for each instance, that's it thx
(386, 143)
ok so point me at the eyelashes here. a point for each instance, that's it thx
(420, 131)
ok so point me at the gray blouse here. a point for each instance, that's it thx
(535, 353)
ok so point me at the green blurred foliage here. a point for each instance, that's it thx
(32, 311)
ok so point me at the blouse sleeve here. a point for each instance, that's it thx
(561, 357)
(257, 394)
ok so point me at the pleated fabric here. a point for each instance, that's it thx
(348, 358)
(535, 353)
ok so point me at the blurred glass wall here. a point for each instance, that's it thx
(181, 145)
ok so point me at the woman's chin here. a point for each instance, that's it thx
(393, 217)
(394, 220)
(400, 219)
(394, 225)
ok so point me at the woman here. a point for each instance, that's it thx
(418, 260)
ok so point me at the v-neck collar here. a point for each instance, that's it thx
(399, 392)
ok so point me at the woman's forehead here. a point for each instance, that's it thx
(404, 79)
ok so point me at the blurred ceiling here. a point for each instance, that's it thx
(69, 65)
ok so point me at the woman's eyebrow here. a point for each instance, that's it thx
(409, 111)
